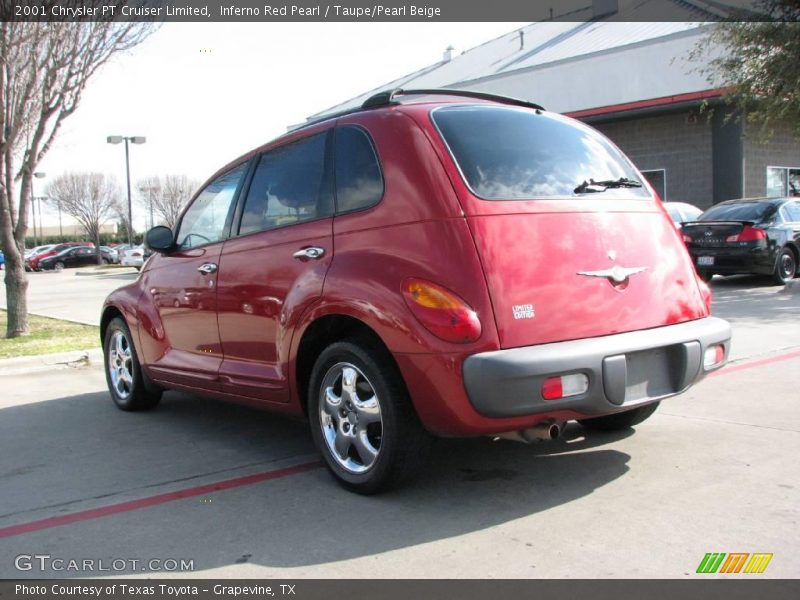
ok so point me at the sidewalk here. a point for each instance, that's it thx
(23, 365)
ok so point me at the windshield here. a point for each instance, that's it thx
(745, 211)
(518, 154)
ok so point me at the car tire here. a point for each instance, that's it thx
(785, 267)
(356, 384)
(706, 275)
(129, 387)
(621, 420)
(59, 266)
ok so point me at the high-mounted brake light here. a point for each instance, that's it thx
(441, 311)
(748, 234)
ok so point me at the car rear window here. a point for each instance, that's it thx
(507, 153)
(746, 211)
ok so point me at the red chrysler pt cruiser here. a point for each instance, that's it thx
(435, 263)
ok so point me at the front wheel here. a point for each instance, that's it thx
(362, 419)
(59, 266)
(621, 420)
(124, 376)
(785, 268)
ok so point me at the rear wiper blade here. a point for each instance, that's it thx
(602, 186)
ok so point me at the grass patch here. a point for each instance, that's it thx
(46, 336)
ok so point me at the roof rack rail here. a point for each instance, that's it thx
(387, 97)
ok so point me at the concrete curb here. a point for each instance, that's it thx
(22, 365)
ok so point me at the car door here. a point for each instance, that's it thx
(182, 346)
(85, 256)
(274, 266)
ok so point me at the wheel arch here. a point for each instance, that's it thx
(321, 333)
(110, 312)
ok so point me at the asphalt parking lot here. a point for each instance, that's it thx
(239, 493)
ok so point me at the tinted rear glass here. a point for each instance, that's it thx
(516, 154)
(750, 211)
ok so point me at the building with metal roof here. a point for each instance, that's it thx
(631, 79)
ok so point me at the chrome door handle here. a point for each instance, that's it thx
(314, 252)
(207, 268)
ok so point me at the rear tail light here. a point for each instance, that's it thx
(441, 311)
(564, 386)
(713, 356)
(748, 234)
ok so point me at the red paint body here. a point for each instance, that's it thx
(239, 337)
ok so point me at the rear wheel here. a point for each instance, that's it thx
(126, 382)
(785, 268)
(362, 419)
(621, 420)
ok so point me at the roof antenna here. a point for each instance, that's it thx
(448, 54)
(521, 39)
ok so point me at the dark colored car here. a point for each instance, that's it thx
(33, 263)
(752, 235)
(77, 256)
(422, 266)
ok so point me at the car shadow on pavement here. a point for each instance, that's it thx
(78, 453)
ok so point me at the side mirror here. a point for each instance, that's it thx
(159, 239)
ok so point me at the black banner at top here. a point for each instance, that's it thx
(248, 11)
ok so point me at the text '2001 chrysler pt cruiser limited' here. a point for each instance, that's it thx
(432, 264)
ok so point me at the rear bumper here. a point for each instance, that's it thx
(759, 260)
(624, 370)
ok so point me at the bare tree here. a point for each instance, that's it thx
(89, 198)
(167, 196)
(44, 69)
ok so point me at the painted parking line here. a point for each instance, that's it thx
(751, 364)
(112, 509)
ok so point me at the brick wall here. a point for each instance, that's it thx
(781, 150)
(680, 143)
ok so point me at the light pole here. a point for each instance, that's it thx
(36, 175)
(134, 139)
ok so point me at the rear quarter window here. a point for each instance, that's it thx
(359, 183)
(507, 153)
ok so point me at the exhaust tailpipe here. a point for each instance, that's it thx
(545, 431)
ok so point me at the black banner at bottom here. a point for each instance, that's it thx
(385, 589)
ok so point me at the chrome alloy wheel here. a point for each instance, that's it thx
(120, 366)
(350, 416)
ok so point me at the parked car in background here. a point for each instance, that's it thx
(76, 256)
(133, 257)
(681, 212)
(424, 265)
(2, 259)
(109, 255)
(33, 263)
(752, 235)
(37, 250)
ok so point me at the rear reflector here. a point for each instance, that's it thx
(714, 356)
(564, 386)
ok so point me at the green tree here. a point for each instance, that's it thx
(757, 57)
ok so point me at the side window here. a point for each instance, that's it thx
(290, 186)
(359, 183)
(792, 211)
(204, 221)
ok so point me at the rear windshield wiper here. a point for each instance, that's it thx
(602, 186)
